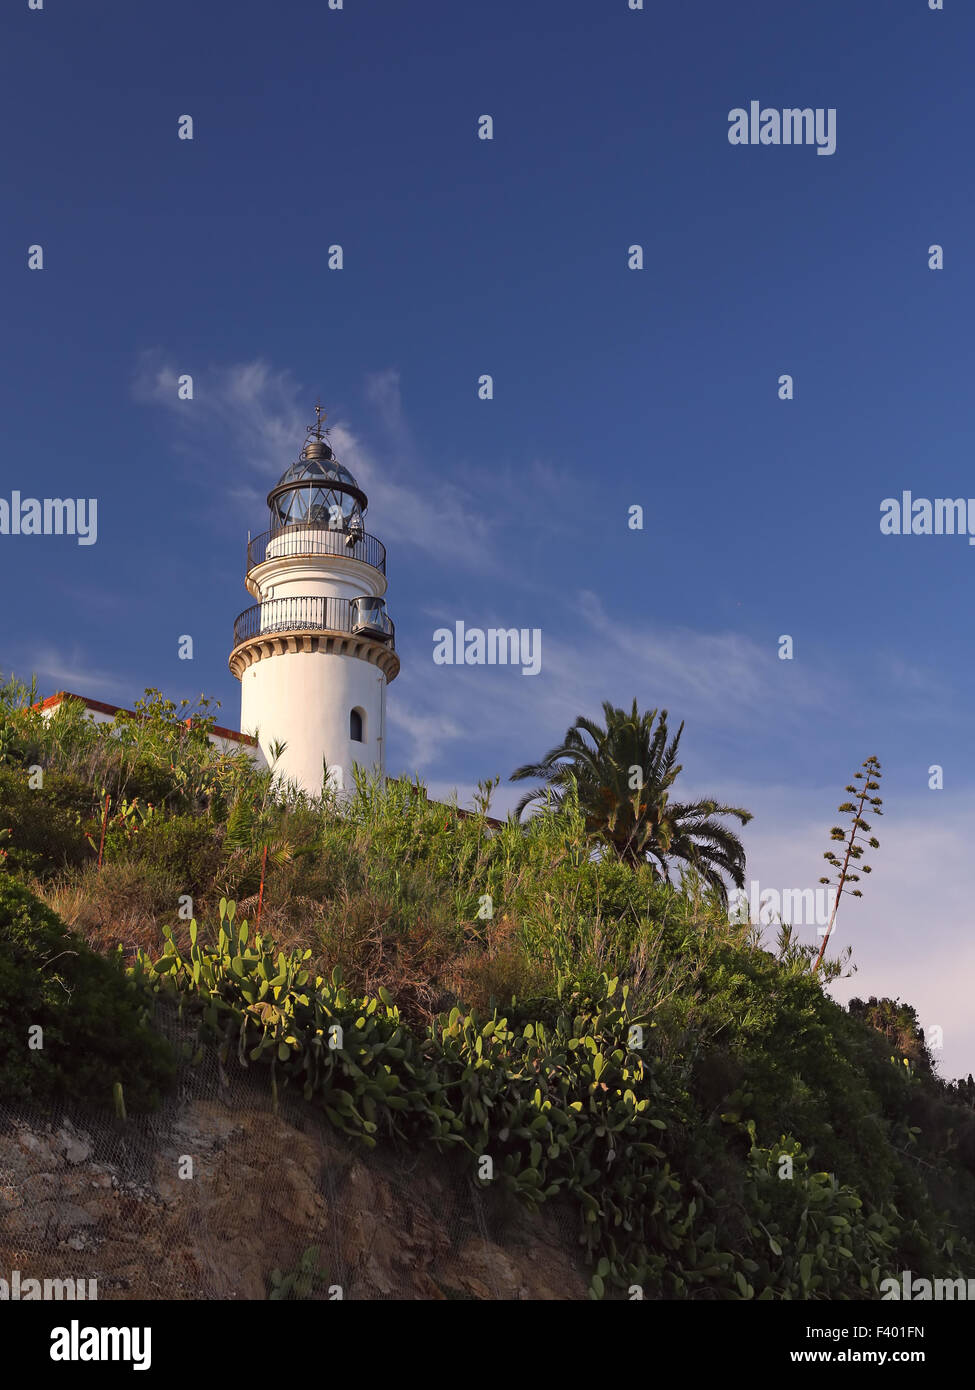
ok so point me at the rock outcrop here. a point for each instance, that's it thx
(206, 1200)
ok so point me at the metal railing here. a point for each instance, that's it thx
(315, 538)
(367, 617)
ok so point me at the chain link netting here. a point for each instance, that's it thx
(209, 1194)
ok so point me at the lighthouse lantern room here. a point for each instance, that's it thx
(316, 652)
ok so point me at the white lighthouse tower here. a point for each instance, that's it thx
(314, 656)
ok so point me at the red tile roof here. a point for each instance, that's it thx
(53, 701)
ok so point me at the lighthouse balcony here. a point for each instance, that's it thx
(361, 617)
(315, 538)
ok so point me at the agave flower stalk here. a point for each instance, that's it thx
(859, 831)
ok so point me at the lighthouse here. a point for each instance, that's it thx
(315, 653)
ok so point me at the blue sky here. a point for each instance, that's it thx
(613, 387)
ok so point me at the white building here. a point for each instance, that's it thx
(316, 652)
(226, 740)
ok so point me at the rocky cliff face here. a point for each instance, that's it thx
(206, 1199)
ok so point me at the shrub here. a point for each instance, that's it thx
(94, 1024)
(186, 847)
(47, 824)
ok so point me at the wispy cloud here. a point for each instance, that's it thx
(58, 670)
(719, 682)
(423, 511)
(257, 415)
(249, 411)
(428, 734)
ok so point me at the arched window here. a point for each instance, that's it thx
(357, 726)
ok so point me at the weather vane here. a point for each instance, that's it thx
(316, 429)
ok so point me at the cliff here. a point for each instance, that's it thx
(105, 1200)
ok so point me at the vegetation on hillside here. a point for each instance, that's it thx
(71, 1024)
(604, 1036)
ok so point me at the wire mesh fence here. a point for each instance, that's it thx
(218, 1195)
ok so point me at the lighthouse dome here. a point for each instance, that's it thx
(313, 486)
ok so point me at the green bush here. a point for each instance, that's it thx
(188, 847)
(94, 1020)
(47, 824)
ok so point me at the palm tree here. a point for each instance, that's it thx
(624, 774)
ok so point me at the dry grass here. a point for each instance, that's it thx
(123, 904)
(495, 967)
(376, 944)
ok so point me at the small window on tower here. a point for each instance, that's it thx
(356, 726)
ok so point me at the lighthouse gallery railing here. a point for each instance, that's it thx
(303, 538)
(364, 616)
